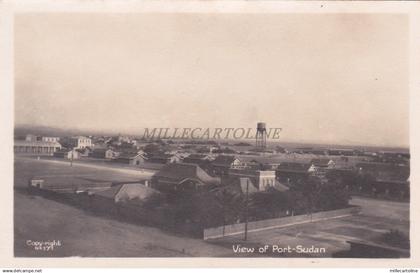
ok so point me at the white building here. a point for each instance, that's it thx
(80, 142)
(50, 139)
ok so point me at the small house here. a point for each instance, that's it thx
(130, 158)
(67, 154)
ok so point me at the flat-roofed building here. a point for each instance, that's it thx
(35, 147)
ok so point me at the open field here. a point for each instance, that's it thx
(398, 211)
(96, 168)
(376, 218)
(84, 234)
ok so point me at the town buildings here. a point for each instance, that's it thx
(385, 171)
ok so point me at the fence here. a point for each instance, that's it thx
(235, 229)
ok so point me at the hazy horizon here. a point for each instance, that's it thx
(322, 78)
(40, 130)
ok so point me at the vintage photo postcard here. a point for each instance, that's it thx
(243, 132)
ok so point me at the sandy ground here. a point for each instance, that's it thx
(377, 217)
(89, 167)
(82, 234)
(383, 208)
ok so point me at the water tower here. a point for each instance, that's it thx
(261, 136)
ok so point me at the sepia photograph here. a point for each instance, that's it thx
(211, 134)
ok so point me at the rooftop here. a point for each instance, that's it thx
(224, 160)
(36, 143)
(320, 162)
(294, 167)
(180, 171)
(128, 192)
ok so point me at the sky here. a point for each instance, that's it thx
(322, 78)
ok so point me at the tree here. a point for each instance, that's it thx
(312, 194)
(206, 208)
(304, 194)
(332, 195)
(268, 204)
(230, 203)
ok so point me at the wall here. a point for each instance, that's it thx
(217, 232)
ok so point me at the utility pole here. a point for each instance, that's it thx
(223, 198)
(71, 159)
(312, 206)
(224, 217)
(246, 209)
